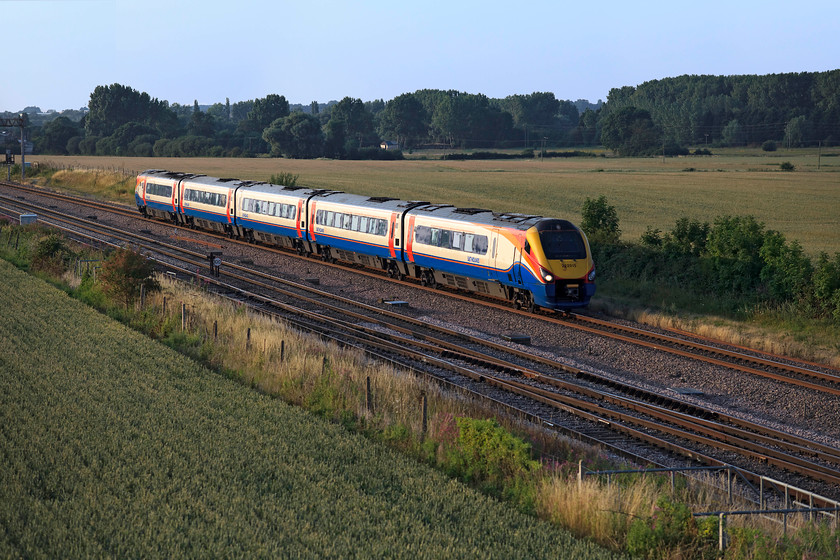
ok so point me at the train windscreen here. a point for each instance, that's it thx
(562, 244)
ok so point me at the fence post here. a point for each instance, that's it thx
(721, 532)
(424, 423)
(282, 350)
(248, 339)
(164, 305)
(183, 316)
(580, 474)
(729, 483)
(142, 296)
(368, 396)
(215, 330)
(761, 493)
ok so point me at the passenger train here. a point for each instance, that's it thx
(531, 261)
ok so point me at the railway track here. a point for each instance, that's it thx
(802, 374)
(598, 407)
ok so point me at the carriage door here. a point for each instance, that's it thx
(493, 256)
(517, 264)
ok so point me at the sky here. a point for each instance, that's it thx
(57, 51)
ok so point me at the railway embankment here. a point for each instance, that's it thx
(116, 445)
(319, 394)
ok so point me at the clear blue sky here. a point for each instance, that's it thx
(58, 51)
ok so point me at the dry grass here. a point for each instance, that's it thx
(802, 345)
(313, 373)
(283, 361)
(647, 192)
(110, 184)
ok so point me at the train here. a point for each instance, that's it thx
(530, 261)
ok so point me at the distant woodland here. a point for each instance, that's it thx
(667, 116)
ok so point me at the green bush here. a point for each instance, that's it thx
(489, 456)
(787, 166)
(600, 220)
(123, 274)
(671, 527)
(284, 178)
(769, 146)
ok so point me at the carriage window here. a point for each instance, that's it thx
(480, 245)
(445, 234)
(469, 238)
(155, 189)
(457, 240)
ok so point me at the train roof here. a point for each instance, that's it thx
(196, 178)
(359, 200)
(271, 188)
(512, 220)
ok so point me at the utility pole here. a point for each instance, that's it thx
(18, 121)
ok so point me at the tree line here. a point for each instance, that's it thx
(667, 115)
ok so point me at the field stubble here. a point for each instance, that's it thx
(647, 192)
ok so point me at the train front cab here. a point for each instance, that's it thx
(559, 252)
(156, 194)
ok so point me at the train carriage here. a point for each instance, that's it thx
(357, 229)
(273, 214)
(157, 193)
(530, 260)
(452, 246)
(207, 202)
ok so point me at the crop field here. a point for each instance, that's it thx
(804, 204)
(112, 445)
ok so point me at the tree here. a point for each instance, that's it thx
(404, 119)
(56, 135)
(600, 221)
(127, 133)
(267, 110)
(350, 127)
(535, 109)
(732, 134)
(796, 131)
(124, 272)
(115, 105)
(787, 270)
(201, 124)
(734, 244)
(688, 237)
(297, 136)
(630, 131)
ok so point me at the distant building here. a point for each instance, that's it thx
(388, 145)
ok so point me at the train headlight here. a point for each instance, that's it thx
(546, 275)
(591, 275)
